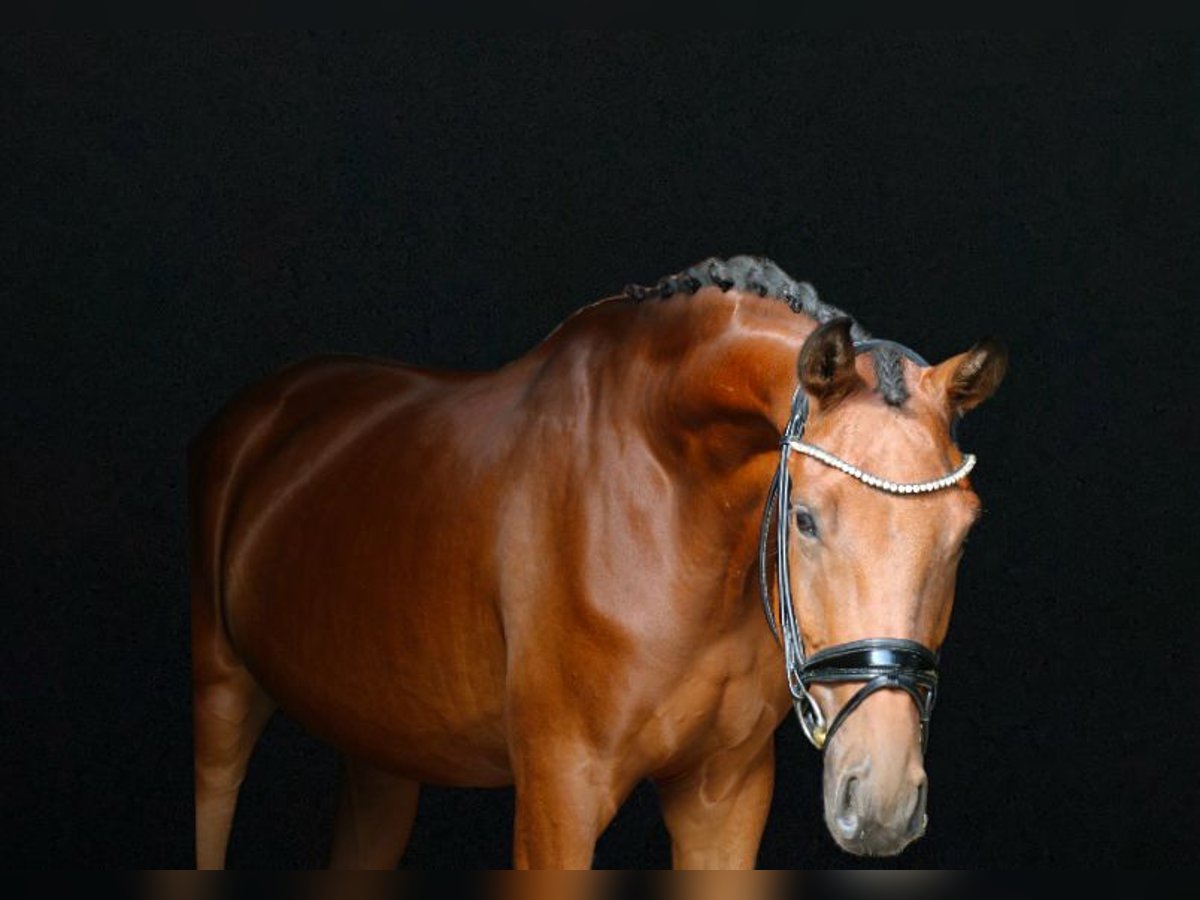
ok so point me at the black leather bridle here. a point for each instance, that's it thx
(878, 663)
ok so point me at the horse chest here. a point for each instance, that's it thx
(712, 710)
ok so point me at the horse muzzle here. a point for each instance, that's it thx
(862, 822)
(875, 783)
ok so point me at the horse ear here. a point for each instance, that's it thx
(826, 363)
(970, 378)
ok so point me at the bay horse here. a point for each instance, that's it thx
(553, 575)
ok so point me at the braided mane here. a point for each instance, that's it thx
(759, 275)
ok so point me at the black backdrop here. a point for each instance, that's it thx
(180, 216)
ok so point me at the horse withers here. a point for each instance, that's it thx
(550, 575)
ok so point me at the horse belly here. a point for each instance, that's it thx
(377, 696)
(357, 601)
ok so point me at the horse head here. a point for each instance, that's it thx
(876, 506)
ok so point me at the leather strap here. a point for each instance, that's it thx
(883, 664)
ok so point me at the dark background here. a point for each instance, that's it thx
(181, 216)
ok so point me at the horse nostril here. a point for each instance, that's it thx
(847, 812)
(916, 822)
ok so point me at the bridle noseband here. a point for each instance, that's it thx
(881, 663)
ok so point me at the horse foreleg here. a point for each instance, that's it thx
(374, 819)
(716, 813)
(565, 798)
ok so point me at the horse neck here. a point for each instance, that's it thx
(724, 376)
(709, 379)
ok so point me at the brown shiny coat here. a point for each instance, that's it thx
(543, 576)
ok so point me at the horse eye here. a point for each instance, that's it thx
(805, 523)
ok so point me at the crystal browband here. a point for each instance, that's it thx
(883, 484)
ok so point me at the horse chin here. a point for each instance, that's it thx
(873, 842)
